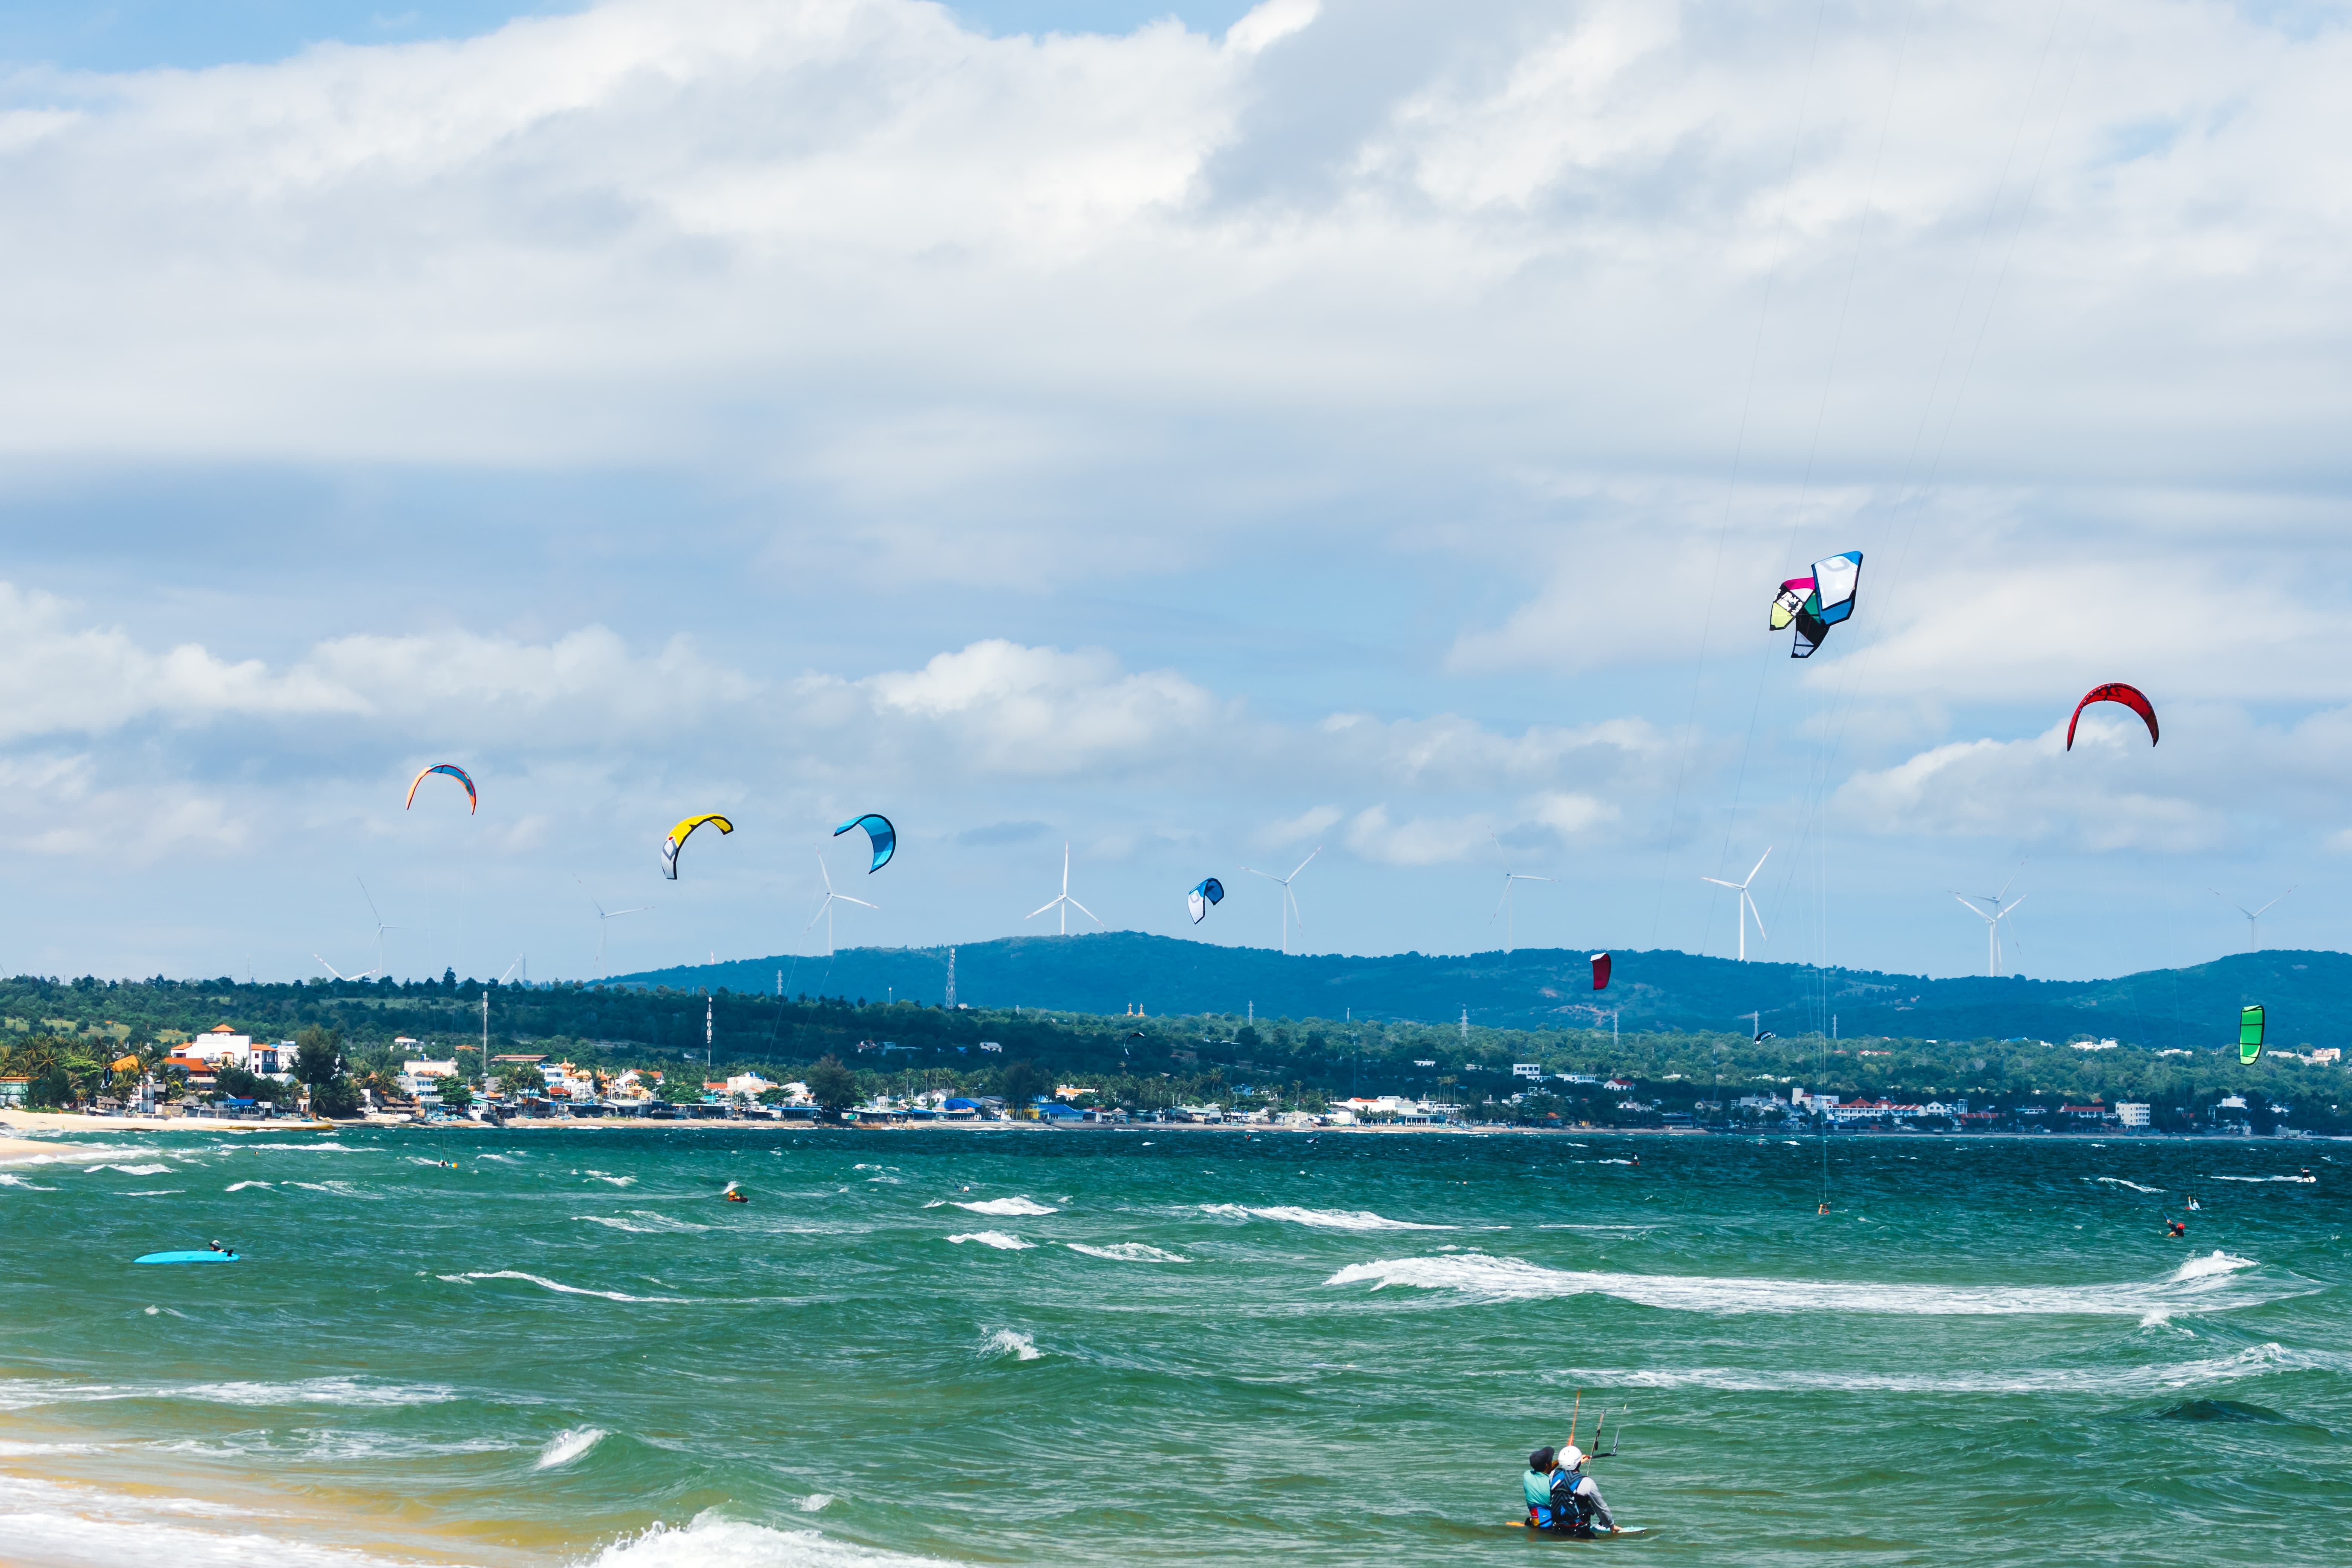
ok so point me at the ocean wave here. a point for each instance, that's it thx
(1127, 1252)
(727, 1543)
(1328, 1219)
(9, 1180)
(1011, 1343)
(615, 1181)
(2254, 1361)
(2119, 1181)
(816, 1503)
(45, 1522)
(346, 1391)
(643, 1222)
(567, 1446)
(129, 1170)
(339, 1189)
(546, 1284)
(2303, 1180)
(995, 1239)
(2196, 1285)
(321, 1147)
(240, 1186)
(1021, 1206)
(155, 1193)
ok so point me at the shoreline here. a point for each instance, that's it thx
(13, 1121)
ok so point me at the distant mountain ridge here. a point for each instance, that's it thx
(1106, 973)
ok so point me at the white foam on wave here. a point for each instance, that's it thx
(995, 1239)
(615, 1181)
(2254, 1361)
(159, 1312)
(1328, 1219)
(711, 1542)
(339, 1189)
(129, 1170)
(547, 1284)
(816, 1503)
(345, 1391)
(240, 1186)
(1021, 1206)
(567, 1446)
(643, 1222)
(45, 1522)
(2120, 1182)
(2305, 1180)
(155, 1193)
(9, 1180)
(2196, 1286)
(1129, 1252)
(1011, 1343)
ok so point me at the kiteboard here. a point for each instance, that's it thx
(206, 1256)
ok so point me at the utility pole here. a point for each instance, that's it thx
(1465, 1026)
(706, 1005)
(952, 978)
(485, 1043)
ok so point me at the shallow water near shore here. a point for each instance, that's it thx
(1020, 1346)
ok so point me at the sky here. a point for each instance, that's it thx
(1199, 435)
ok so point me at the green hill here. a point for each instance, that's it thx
(1536, 988)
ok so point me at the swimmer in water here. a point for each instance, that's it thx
(2179, 1226)
(1824, 1209)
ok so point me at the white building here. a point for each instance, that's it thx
(420, 1080)
(2131, 1113)
(1527, 1069)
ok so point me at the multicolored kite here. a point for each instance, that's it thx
(472, 798)
(1198, 900)
(880, 833)
(1817, 602)
(2131, 697)
(678, 837)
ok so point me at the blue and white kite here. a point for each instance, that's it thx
(1819, 602)
(879, 829)
(1198, 900)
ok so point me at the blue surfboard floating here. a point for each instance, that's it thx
(188, 1258)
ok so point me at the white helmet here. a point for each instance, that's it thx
(1572, 1458)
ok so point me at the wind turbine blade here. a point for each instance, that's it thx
(1267, 875)
(1757, 912)
(845, 898)
(2021, 898)
(1973, 910)
(616, 914)
(370, 901)
(1087, 912)
(1721, 883)
(821, 907)
(1759, 866)
(1065, 869)
(331, 968)
(1041, 908)
(1523, 877)
(1500, 902)
(2266, 908)
(825, 874)
(1302, 864)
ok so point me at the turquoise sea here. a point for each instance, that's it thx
(1025, 1346)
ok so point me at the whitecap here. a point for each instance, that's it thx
(1129, 1252)
(309, 1391)
(712, 1543)
(995, 1239)
(567, 1446)
(2255, 1360)
(1329, 1219)
(1011, 1343)
(2120, 1182)
(2199, 1285)
(644, 1222)
(615, 1181)
(155, 1193)
(2300, 1179)
(547, 1284)
(1021, 1206)
(816, 1503)
(240, 1186)
(7, 1180)
(129, 1170)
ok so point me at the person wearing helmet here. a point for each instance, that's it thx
(1560, 1498)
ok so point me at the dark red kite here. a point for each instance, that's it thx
(1601, 972)
(2131, 697)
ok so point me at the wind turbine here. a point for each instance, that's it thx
(2253, 918)
(824, 910)
(603, 915)
(339, 974)
(1289, 899)
(1746, 903)
(1065, 899)
(2000, 911)
(380, 927)
(1504, 907)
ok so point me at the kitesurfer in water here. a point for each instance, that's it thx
(2179, 1226)
(1558, 1498)
(214, 1246)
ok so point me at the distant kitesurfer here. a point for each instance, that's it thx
(214, 1246)
(732, 1196)
(2193, 1204)
(2179, 1226)
(1824, 1209)
(1558, 1498)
